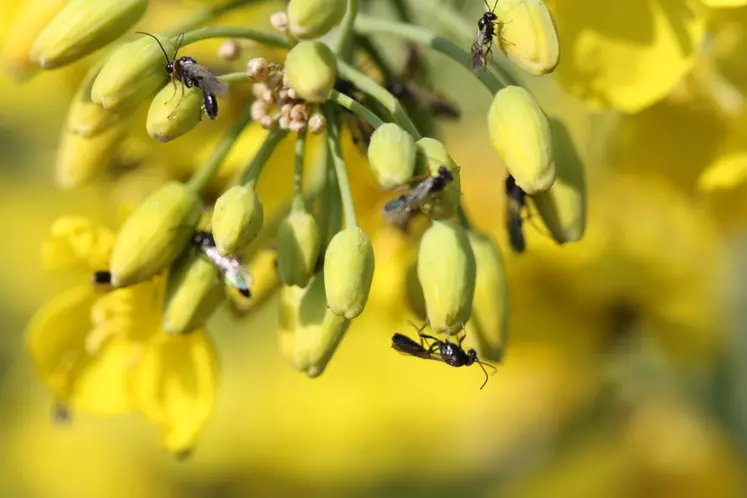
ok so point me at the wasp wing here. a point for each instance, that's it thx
(478, 58)
(403, 344)
(206, 80)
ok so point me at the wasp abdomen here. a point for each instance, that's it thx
(211, 105)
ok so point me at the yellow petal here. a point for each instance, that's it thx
(174, 386)
(76, 242)
(627, 55)
(56, 341)
(726, 172)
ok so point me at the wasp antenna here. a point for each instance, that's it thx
(157, 41)
(486, 4)
(494, 6)
(179, 41)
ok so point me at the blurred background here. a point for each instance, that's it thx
(626, 369)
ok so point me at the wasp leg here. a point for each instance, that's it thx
(173, 80)
(177, 105)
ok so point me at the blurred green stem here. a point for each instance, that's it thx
(381, 95)
(369, 25)
(354, 106)
(298, 204)
(233, 78)
(344, 46)
(205, 174)
(335, 152)
(264, 37)
(252, 172)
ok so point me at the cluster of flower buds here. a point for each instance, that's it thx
(278, 105)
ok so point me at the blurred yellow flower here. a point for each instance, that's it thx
(626, 55)
(107, 353)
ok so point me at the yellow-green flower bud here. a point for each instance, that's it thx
(308, 19)
(520, 134)
(563, 207)
(530, 34)
(446, 270)
(310, 332)
(134, 72)
(82, 27)
(489, 322)
(432, 155)
(237, 219)
(391, 155)
(81, 159)
(193, 293)
(32, 17)
(171, 116)
(86, 118)
(311, 68)
(298, 248)
(154, 234)
(348, 272)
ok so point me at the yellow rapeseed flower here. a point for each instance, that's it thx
(108, 353)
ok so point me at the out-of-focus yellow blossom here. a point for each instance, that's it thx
(640, 264)
(107, 353)
(32, 17)
(626, 55)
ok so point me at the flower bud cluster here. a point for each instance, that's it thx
(278, 105)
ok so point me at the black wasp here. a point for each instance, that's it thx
(233, 272)
(399, 211)
(186, 70)
(516, 201)
(483, 44)
(447, 352)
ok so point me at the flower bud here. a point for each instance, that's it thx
(82, 27)
(298, 248)
(391, 155)
(446, 270)
(171, 116)
(81, 159)
(432, 155)
(32, 17)
(87, 119)
(520, 134)
(193, 293)
(530, 34)
(310, 332)
(308, 19)
(237, 219)
(348, 272)
(134, 72)
(489, 320)
(563, 207)
(311, 68)
(154, 234)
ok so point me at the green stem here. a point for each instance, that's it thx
(463, 218)
(403, 11)
(203, 16)
(335, 152)
(252, 172)
(369, 26)
(205, 174)
(233, 78)
(380, 94)
(257, 35)
(354, 106)
(344, 45)
(298, 204)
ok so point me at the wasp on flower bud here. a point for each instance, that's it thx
(186, 70)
